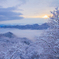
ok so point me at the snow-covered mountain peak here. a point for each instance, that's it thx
(8, 34)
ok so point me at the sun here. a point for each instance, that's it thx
(45, 16)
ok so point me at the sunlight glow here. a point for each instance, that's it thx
(42, 16)
(46, 16)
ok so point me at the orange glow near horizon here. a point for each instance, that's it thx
(32, 16)
(45, 16)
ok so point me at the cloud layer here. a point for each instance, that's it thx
(11, 3)
(9, 9)
(8, 14)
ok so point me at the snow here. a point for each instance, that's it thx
(21, 46)
(30, 44)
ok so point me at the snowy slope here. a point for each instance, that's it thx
(9, 43)
(45, 47)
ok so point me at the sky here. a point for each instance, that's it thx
(26, 11)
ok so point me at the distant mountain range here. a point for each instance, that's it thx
(33, 27)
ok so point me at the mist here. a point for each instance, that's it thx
(30, 34)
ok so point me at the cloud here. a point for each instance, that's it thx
(11, 3)
(8, 14)
(54, 3)
(38, 7)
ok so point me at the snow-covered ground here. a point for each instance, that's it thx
(15, 44)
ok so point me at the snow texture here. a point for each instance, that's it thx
(44, 47)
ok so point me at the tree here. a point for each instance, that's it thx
(49, 42)
(54, 19)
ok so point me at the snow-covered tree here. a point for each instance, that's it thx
(50, 40)
(45, 47)
(54, 19)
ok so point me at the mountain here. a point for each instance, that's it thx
(8, 34)
(11, 45)
(10, 37)
(33, 27)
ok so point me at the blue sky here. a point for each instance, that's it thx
(13, 11)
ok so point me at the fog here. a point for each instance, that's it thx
(30, 34)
